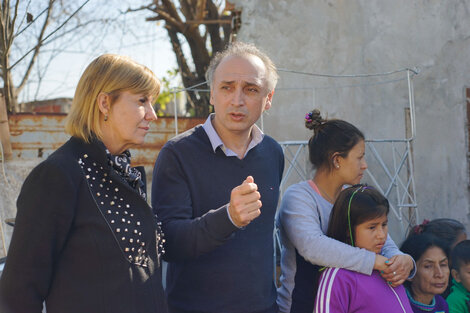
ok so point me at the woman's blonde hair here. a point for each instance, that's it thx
(111, 74)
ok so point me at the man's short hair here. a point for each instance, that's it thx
(243, 49)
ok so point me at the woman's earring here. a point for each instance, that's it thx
(105, 117)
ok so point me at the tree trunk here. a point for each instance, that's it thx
(198, 102)
(5, 131)
(9, 93)
(203, 106)
(186, 20)
(10, 98)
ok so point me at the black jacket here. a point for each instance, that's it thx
(84, 240)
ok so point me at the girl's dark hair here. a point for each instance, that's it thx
(416, 244)
(329, 137)
(446, 229)
(366, 203)
(460, 255)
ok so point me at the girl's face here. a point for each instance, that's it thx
(372, 234)
(352, 167)
(432, 273)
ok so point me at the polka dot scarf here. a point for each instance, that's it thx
(122, 165)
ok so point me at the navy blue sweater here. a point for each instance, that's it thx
(214, 266)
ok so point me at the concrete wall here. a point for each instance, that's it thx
(13, 174)
(351, 37)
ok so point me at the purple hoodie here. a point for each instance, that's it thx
(342, 291)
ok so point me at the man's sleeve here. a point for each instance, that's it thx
(187, 236)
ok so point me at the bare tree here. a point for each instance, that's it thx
(40, 23)
(206, 28)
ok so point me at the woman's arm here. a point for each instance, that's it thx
(300, 220)
(45, 212)
(399, 267)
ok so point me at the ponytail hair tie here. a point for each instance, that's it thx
(308, 117)
(418, 229)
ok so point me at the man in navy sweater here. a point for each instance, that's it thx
(215, 189)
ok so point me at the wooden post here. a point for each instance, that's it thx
(5, 130)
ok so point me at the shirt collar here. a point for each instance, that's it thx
(459, 286)
(257, 136)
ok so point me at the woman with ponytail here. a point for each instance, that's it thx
(336, 151)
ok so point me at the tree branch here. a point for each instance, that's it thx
(186, 9)
(37, 48)
(142, 8)
(201, 9)
(214, 29)
(32, 22)
(196, 19)
(41, 74)
(175, 22)
(169, 7)
(12, 30)
(186, 73)
(4, 20)
(74, 29)
(53, 32)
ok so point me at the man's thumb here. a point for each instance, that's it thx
(249, 179)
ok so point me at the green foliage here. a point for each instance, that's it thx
(166, 96)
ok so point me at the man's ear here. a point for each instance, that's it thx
(269, 100)
(456, 275)
(103, 102)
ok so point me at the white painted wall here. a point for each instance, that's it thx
(350, 37)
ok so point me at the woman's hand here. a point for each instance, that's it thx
(380, 264)
(398, 269)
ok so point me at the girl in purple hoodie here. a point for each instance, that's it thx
(359, 218)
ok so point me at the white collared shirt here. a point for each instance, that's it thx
(257, 136)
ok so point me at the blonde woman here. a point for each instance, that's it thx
(85, 239)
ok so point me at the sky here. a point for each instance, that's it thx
(129, 34)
